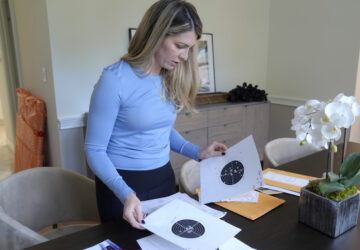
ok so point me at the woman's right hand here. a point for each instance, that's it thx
(132, 211)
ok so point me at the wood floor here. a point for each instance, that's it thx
(6, 156)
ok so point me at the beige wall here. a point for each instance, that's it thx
(1, 112)
(1, 77)
(355, 129)
(313, 53)
(74, 39)
(81, 45)
(6, 99)
(294, 49)
(34, 54)
(5, 112)
(313, 48)
(280, 121)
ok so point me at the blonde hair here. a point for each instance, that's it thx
(166, 18)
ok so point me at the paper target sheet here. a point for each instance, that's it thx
(188, 227)
(227, 176)
(150, 206)
(155, 242)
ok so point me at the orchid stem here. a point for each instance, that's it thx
(344, 146)
(328, 162)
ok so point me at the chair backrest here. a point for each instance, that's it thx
(43, 196)
(14, 235)
(190, 177)
(283, 150)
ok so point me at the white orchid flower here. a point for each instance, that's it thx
(356, 108)
(319, 123)
(339, 114)
(331, 132)
(299, 111)
(318, 140)
(318, 119)
(300, 122)
(300, 135)
(349, 100)
(312, 106)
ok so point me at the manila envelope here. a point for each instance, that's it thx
(284, 185)
(252, 211)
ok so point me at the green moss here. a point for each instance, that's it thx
(337, 196)
(342, 194)
(313, 186)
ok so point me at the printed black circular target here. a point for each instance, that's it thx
(188, 229)
(232, 173)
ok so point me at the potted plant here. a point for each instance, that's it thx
(330, 204)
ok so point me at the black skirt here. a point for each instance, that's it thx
(149, 184)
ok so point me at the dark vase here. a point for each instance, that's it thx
(328, 216)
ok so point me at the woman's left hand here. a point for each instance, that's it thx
(214, 149)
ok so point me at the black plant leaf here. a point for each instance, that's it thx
(247, 93)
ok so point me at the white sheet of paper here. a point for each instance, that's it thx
(281, 190)
(233, 244)
(251, 196)
(189, 227)
(155, 242)
(237, 172)
(150, 206)
(286, 179)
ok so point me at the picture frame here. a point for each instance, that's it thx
(205, 59)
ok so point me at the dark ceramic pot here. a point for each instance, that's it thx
(328, 216)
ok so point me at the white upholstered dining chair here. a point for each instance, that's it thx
(283, 150)
(190, 177)
(36, 198)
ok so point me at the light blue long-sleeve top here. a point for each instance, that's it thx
(130, 127)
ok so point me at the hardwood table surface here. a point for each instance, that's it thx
(278, 229)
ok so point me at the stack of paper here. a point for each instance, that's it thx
(285, 181)
(188, 227)
(251, 196)
(150, 206)
(252, 211)
(154, 242)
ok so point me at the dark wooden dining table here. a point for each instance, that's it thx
(278, 229)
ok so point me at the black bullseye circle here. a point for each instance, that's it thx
(188, 229)
(232, 173)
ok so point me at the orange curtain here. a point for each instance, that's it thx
(30, 126)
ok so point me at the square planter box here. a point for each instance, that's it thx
(328, 216)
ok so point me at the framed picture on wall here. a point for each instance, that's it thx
(205, 59)
(131, 33)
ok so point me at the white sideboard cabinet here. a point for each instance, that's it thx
(227, 123)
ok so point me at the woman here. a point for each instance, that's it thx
(133, 109)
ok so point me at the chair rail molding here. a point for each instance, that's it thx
(288, 101)
(68, 122)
